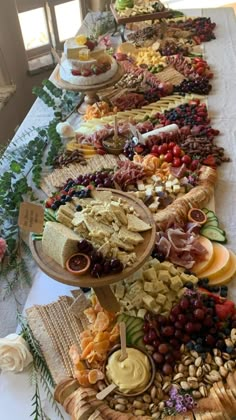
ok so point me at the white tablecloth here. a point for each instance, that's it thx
(15, 390)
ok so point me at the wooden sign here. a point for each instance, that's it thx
(31, 217)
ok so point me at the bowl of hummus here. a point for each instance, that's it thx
(134, 375)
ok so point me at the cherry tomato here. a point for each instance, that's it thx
(155, 149)
(176, 162)
(164, 148)
(176, 151)
(168, 157)
(186, 159)
(171, 145)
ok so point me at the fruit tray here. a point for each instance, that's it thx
(139, 18)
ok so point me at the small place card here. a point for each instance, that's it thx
(31, 217)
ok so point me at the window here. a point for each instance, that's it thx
(46, 23)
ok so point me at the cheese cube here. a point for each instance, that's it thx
(156, 309)
(176, 188)
(167, 306)
(166, 265)
(160, 299)
(159, 188)
(171, 177)
(132, 313)
(159, 286)
(173, 271)
(140, 194)
(141, 186)
(137, 300)
(155, 178)
(120, 291)
(149, 190)
(171, 296)
(148, 287)
(150, 274)
(175, 283)
(168, 184)
(184, 277)
(155, 263)
(181, 292)
(149, 301)
(153, 207)
(193, 279)
(141, 313)
(163, 275)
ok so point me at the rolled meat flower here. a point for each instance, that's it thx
(3, 247)
(14, 353)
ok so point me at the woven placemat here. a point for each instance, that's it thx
(56, 328)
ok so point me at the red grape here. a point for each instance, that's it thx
(178, 334)
(167, 369)
(168, 157)
(146, 339)
(178, 325)
(184, 303)
(159, 358)
(186, 159)
(169, 358)
(182, 319)
(189, 327)
(152, 335)
(185, 338)
(156, 344)
(171, 145)
(163, 348)
(168, 331)
(176, 310)
(199, 314)
(210, 340)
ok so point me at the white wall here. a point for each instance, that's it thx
(12, 47)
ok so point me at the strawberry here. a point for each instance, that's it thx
(225, 310)
(210, 161)
(49, 203)
(76, 72)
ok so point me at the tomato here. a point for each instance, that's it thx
(200, 70)
(186, 159)
(171, 145)
(168, 157)
(155, 149)
(49, 203)
(163, 148)
(176, 162)
(177, 151)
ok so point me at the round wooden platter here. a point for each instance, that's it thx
(82, 88)
(143, 251)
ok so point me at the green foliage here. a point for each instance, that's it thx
(54, 141)
(40, 374)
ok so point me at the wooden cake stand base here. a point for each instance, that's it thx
(91, 92)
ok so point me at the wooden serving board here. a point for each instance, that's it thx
(139, 18)
(143, 251)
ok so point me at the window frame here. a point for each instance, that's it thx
(51, 22)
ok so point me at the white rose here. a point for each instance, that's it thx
(14, 353)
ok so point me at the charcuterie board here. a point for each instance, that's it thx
(140, 18)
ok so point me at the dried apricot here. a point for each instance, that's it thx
(87, 350)
(82, 377)
(102, 346)
(100, 336)
(90, 314)
(102, 322)
(85, 333)
(95, 375)
(85, 341)
(74, 354)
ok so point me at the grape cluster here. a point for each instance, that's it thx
(200, 86)
(170, 48)
(100, 179)
(193, 321)
(99, 264)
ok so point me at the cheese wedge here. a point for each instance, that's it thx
(59, 242)
(137, 225)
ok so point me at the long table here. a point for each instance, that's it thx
(15, 390)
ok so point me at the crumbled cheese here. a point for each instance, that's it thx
(120, 291)
(161, 299)
(176, 283)
(141, 313)
(150, 274)
(164, 276)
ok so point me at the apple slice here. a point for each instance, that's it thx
(219, 264)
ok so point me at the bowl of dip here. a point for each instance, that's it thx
(114, 146)
(78, 264)
(134, 375)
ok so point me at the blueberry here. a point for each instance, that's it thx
(215, 289)
(79, 208)
(57, 203)
(54, 207)
(190, 345)
(63, 196)
(227, 331)
(77, 194)
(223, 293)
(198, 348)
(224, 288)
(62, 202)
(199, 340)
(189, 285)
(68, 198)
(229, 349)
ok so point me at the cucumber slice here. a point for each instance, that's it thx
(136, 337)
(205, 210)
(210, 213)
(214, 234)
(121, 318)
(212, 222)
(136, 327)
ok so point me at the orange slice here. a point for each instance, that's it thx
(220, 262)
(225, 278)
(197, 216)
(202, 266)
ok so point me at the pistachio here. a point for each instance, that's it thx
(153, 392)
(214, 376)
(122, 401)
(223, 371)
(216, 352)
(120, 407)
(196, 394)
(156, 415)
(192, 370)
(139, 412)
(206, 367)
(185, 386)
(182, 348)
(233, 335)
(149, 348)
(226, 356)
(161, 406)
(199, 372)
(137, 404)
(229, 365)
(159, 377)
(188, 361)
(154, 409)
(194, 354)
(229, 342)
(198, 361)
(181, 368)
(147, 398)
(166, 387)
(178, 377)
(203, 391)
(218, 361)
(193, 382)
(208, 358)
